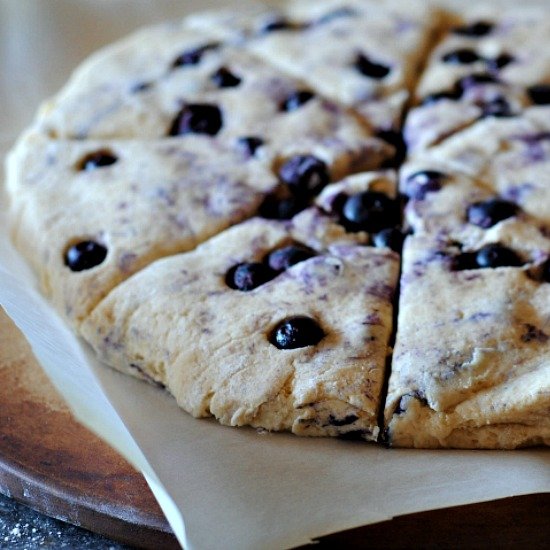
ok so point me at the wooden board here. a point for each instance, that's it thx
(55, 465)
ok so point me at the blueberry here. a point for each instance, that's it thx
(249, 144)
(497, 107)
(286, 257)
(337, 203)
(197, 118)
(472, 80)
(461, 57)
(496, 255)
(274, 208)
(430, 99)
(395, 138)
(539, 94)
(466, 260)
(370, 68)
(295, 100)
(417, 185)
(224, 78)
(193, 56)
(369, 211)
(279, 24)
(499, 62)
(305, 175)
(84, 255)
(247, 276)
(97, 159)
(296, 332)
(345, 421)
(391, 237)
(488, 213)
(479, 28)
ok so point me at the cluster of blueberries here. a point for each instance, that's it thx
(484, 214)
(539, 94)
(247, 276)
(293, 332)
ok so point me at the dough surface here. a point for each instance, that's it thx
(179, 324)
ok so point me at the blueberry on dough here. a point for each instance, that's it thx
(224, 78)
(248, 276)
(286, 257)
(474, 79)
(539, 94)
(474, 30)
(430, 99)
(194, 55)
(295, 100)
(85, 255)
(97, 159)
(497, 107)
(369, 211)
(489, 212)
(197, 118)
(463, 56)
(277, 24)
(500, 61)
(391, 238)
(250, 144)
(296, 332)
(496, 255)
(305, 175)
(420, 183)
(490, 256)
(370, 68)
(396, 139)
(274, 208)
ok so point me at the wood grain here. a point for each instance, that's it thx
(55, 465)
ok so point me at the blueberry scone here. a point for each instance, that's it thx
(215, 206)
(256, 329)
(470, 366)
(497, 169)
(363, 54)
(171, 81)
(164, 197)
(490, 64)
(88, 214)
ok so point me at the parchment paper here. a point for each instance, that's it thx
(234, 488)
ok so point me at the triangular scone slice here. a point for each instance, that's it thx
(502, 159)
(363, 54)
(136, 200)
(471, 361)
(180, 324)
(157, 84)
(490, 64)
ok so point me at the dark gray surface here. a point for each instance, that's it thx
(21, 528)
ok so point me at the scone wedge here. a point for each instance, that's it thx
(492, 63)
(88, 214)
(471, 365)
(285, 344)
(363, 54)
